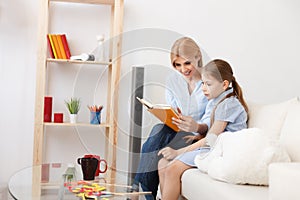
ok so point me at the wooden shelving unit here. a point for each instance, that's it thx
(77, 62)
(110, 125)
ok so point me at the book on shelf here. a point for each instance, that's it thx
(52, 46)
(55, 42)
(66, 45)
(163, 112)
(61, 46)
(49, 47)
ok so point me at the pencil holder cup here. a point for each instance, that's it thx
(95, 117)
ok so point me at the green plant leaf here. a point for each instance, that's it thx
(73, 105)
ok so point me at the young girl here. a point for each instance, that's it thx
(229, 114)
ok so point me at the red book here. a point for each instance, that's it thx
(66, 46)
(50, 47)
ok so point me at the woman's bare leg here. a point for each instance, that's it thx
(172, 180)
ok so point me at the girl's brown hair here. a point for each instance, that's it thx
(221, 70)
(186, 48)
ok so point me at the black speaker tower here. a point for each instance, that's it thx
(136, 120)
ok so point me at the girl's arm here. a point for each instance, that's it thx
(170, 153)
(217, 128)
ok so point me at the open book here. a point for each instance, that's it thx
(163, 112)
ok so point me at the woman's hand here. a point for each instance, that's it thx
(186, 123)
(190, 138)
(168, 153)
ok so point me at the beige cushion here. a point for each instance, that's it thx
(270, 117)
(290, 133)
(234, 158)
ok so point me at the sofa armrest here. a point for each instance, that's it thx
(284, 181)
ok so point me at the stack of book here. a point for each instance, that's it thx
(58, 46)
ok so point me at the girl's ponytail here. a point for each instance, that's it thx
(239, 93)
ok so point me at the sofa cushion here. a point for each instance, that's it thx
(242, 157)
(284, 181)
(269, 117)
(197, 185)
(290, 133)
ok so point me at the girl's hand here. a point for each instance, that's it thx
(186, 123)
(168, 153)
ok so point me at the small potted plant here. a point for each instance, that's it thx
(73, 106)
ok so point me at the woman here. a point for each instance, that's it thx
(183, 92)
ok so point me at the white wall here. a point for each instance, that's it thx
(18, 32)
(259, 38)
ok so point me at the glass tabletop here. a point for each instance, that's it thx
(57, 181)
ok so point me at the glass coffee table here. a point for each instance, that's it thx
(54, 181)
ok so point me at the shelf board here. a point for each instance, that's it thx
(76, 124)
(77, 61)
(106, 2)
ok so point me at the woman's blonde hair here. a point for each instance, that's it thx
(186, 48)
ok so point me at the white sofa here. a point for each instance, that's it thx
(283, 121)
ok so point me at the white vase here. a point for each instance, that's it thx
(73, 118)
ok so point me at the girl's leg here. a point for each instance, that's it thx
(162, 164)
(172, 180)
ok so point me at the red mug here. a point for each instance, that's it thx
(99, 162)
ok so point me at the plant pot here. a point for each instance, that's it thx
(73, 118)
